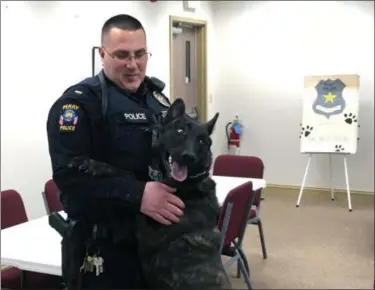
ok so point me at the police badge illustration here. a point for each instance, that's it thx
(330, 114)
(330, 100)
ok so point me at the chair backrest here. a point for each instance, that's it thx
(240, 166)
(13, 210)
(51, 197)
(235, 211)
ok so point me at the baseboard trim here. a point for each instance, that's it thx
(295, 189)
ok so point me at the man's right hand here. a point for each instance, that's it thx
(161, 204)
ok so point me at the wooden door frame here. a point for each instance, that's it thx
(201, 72)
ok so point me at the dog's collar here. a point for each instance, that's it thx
(204, 173)
(191, 181)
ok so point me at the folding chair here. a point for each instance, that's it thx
(232, 224)
(248, 167)
(51, 199)
(13, 213)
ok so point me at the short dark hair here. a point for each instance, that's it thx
(121, 21)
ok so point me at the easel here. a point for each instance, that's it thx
(331, 176)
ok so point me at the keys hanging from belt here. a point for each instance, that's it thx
(88, 264)
(91, 263)
(92, 260)
(98, 263)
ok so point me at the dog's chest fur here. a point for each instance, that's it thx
(185, 254)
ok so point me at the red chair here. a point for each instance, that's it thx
(232, 224)
(250, 167)
(51, 199)
(13, 210)
(13, 213)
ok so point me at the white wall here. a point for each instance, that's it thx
(265, 49)
(45, 47)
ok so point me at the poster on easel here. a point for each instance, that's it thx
(330, 114)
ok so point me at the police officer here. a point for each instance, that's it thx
(108, 118)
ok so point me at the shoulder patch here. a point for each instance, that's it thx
(68, 117)
(163, 100)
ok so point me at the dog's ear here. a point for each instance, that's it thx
(210, 125)
(177, 109)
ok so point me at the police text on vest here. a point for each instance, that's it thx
(135, 116)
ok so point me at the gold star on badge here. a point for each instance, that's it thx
(329, 97)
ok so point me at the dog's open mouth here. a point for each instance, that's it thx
(178, 172)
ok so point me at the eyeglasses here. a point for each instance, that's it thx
(123, 55)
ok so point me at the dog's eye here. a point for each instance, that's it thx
(180, 131)
(201, 141)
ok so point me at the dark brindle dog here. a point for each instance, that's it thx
(184, 255)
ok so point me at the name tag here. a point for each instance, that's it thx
(135, 117)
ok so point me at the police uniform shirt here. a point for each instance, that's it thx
(76, 127)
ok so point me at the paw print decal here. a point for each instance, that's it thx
(339, 148)
(306, 131)
(350, 118)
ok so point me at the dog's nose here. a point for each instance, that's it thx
(188, 157)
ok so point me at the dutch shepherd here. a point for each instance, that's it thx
(187, 254)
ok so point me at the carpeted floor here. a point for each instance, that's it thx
(320, 245)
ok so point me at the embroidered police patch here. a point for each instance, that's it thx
(161, 99)
(69, 118)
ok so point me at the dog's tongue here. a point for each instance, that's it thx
(178, 172)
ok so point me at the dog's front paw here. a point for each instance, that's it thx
(97, 168)
(78, 163)
(86, 165)
(92, 167)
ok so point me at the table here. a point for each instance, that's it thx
(35, 246)
(32, 246)
(224, 184)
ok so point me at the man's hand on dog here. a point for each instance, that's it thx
(158, 201)
(161, 204)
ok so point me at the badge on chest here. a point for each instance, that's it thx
(161, 99)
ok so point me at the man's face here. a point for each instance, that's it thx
(124, 57)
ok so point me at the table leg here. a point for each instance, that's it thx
(23, 280)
